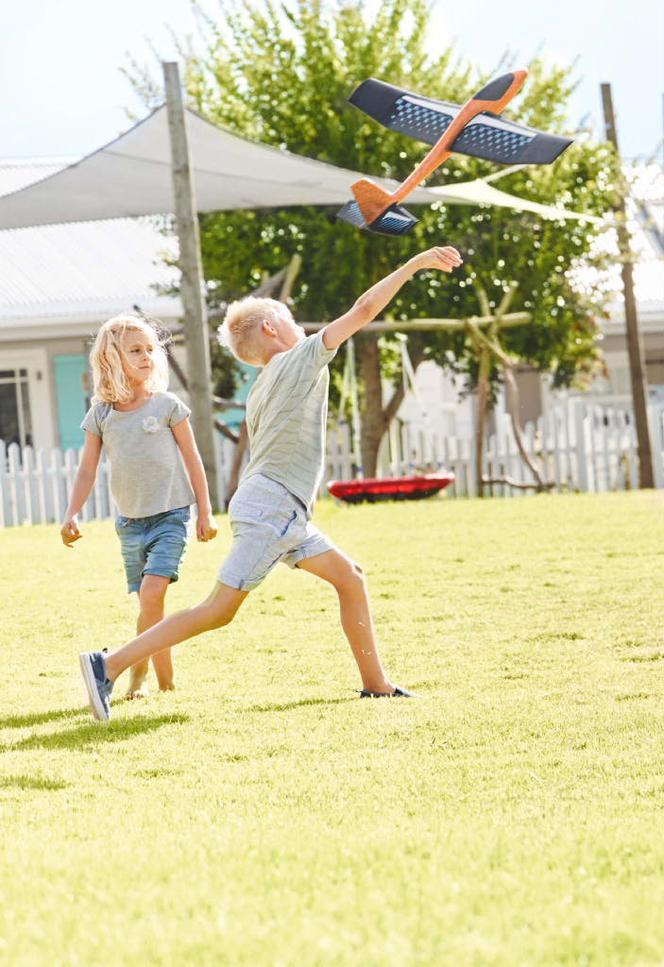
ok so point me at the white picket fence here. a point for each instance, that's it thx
(580, 445)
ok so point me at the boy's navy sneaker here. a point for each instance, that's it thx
(93, 668)
(397, 693)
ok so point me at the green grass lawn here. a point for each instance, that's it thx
(263, 815)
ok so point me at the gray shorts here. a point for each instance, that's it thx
(269, 525)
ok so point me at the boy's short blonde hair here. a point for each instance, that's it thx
(108, 376)
(241, 329)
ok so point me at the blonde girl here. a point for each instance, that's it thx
(156, 471)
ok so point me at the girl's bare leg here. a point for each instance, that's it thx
(217, 610)
(151, 599)
(151, 596)
(349, 582)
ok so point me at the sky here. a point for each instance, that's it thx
(62, 93)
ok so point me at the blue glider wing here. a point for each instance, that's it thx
(425, 119)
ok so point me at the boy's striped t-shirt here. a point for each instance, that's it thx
(287, 416)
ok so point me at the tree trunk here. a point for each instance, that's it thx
(373, 420)
(512, 404)
(482, 406)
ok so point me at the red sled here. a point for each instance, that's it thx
(389, 488)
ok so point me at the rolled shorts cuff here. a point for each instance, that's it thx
(135, 586)
(320, 544)
(162, 572)
(232, 581)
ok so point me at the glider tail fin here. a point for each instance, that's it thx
(372, 199)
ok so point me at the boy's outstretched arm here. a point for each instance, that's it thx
(377, 297)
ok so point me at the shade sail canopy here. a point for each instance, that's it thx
(478, 192)
(131, 176)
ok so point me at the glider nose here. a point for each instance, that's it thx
(502, 89)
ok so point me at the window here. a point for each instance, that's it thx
(15, 419)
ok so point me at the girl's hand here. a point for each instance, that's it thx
(446, 259)
(69, 531)
(206, 529)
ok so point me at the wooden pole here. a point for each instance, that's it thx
(637, 369)
(191, 288)
(483, 387)
(434, 325)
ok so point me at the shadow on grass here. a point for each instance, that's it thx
(285, 706)
(94, 734)
(40, 718)
(31, 782)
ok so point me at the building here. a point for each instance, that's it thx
(58, 283)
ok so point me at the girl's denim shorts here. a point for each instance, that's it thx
(269, 524)
(153, 545)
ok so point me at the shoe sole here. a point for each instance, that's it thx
(96, 705)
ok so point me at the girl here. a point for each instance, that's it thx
(149, 443)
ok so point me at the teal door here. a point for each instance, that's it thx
(71, 382)
(234, 417)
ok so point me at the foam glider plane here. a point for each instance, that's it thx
(474, 128)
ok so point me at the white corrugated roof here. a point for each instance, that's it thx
(91, 269)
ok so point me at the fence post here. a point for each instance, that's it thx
(14, 453)
(655, 422)
(59, 485)
(3, 483)
(40, 473)
(28, 481)
(581, 448)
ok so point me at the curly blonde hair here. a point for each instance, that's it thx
(240, 330)
(109, 378)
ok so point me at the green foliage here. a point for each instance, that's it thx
(282, 73)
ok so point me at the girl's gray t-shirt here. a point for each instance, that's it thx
(148, 475)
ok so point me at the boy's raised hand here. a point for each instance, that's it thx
(69, 532)
(445, 258)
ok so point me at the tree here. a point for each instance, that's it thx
(281, 74)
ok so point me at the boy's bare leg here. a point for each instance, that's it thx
(348, 579)
(217, 610)
(151, 600)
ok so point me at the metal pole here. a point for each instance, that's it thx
(195, 316)
(637, 369)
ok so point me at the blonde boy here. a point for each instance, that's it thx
(270, 513)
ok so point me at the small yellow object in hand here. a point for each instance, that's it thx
(206, 530)
(69, 533)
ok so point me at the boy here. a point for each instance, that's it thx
(270, 513)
